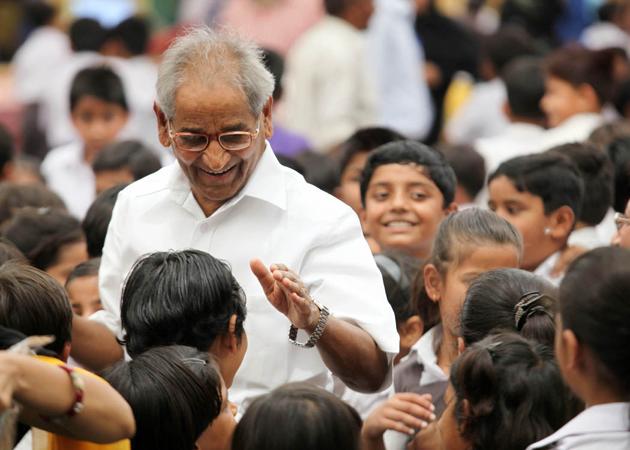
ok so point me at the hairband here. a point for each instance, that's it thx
(529, 304)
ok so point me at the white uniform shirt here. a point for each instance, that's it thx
(600, 427)
(545, 269)
(574, 129)
(278, 218)
(71, 177)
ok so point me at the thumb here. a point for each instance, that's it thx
(263, 274)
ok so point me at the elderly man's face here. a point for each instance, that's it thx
(215, 174)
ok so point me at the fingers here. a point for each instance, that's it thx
(420, 410)
(263, 274)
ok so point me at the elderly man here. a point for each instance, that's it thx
(228, 195)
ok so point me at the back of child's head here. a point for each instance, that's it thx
(399, 271)
(506, 44)
(274, 62)
(552, 177)
(508, 393)
(14, 197)
(9, 252)
(597, 174)
(408, 152)
(186, 298)
(619, 153)
(464, 231)
(525, 86)
(133, 34)
(33, 303)
(39, 13)
(470, 170)
(100, 82)
(320, 170)
(606, 134)
(132, 157)
(301, 416)
(509, 300)
(593, 304)
(86, 35)
(6, 150)
(174, 393)
(97, 218)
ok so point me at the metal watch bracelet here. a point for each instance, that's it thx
(324, 314)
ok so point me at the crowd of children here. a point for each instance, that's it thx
(502, 238)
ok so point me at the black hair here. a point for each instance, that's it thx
(525, 87)
(7, 149)
(505, 45)
(274, 62)
(337, 7)
(594, 305)
(469, 167)
(174, 393)
(621, 98)
(365, 140)
(133, 34)
(319, 170)
(552, 177)
(311, 418)
(598, 176)
(39, 13)
(41, 233)
(9, 252)
(606, 134)
(34, 303)
(100, 82)
(399, 271)
(86, 35)
(619, 152)
(412, 152)
(509, 300)
(97, 218)
(513, 390)
(131, 154)
(185, 298)
(14, 197)
(87, 268)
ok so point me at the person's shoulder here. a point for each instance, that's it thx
(154, 183)
(63, 154)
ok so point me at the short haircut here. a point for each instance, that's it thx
(525, 87)
(174, 393)
(399, 272)
(336, 7)
(552, 177)
(311, 418)
(97, 218)
(133, 33)
(412, 152)
(597, 173)
(9, 252)
(7, 149)
(469, 167)
(514, 393)
(492, 305)
(606, 134)
(132, 155)
(87, 268)
(192, 297)
(41, 233)
(39, 12)
(86, 35)
(577, 66)
(506, 44)
(619, 152)
(14, 197)
(274, 62)
(319, 169)
(32, 302)
(100, 82)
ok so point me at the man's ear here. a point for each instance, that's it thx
(432, 282)
(562, 221)
(163, 136)
(268, 118)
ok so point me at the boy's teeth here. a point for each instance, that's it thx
(399, 224)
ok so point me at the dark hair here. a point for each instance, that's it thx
(87, 268)
(320, 170)
(133, 34)
(594, 305)
(365, 140)
(509, 300)
(298, 415)
(552, 177)
(291, 163)
(577, 66)
(6, 148)
(41, 233)
(100, 82)
(274, 62)
(525, 87)
(505, 45)
(399, 272)
(133, 155)
(336, 7)
(14, 197)
(514, 392)
(412, 152)
(469, 167)
(619, 152)
(39, 12)
(9, 252)
(606, 134)
(598, 176)
(621, 98)
(174, 393)
(34, 303)
(86, 35)
(184, 298)
(97, 218)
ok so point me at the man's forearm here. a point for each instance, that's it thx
(94, 345)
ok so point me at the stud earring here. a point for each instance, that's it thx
(547, 231)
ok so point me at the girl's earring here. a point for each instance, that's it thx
(547, 231)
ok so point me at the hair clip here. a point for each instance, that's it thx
(195, 360)
(529, 304)
(491, 349)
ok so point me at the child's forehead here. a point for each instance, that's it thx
(92, 103)
(402, 172)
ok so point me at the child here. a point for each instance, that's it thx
(470, 170)
(592, 350)
(407, 189)
(97, 218)
(541, 196)
(82, 288)
(622, 221)
(99, 111)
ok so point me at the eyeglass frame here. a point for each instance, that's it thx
(621, 220)
(210, 137)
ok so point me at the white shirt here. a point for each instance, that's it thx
(600, 427)
(403, 98)
(424, 351)
(603, 35)
(546, 267)
(278, 218)
(71, 177)
(574, 129)
(587, 237)
(329, 93)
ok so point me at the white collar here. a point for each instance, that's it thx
(425, 353)
(546, 267)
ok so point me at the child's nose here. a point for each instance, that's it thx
(399, 200)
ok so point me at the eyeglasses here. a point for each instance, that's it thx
(621, 220)
(198, 142)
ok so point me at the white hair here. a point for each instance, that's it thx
(213, 56)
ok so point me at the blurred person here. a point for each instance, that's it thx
(606, 134)
(608, 31)
(7, 153)
(470, 172)
(622, 222)
(14, 197)
(96, 220)
(328, 102)
(619, 153)
(9, 252)
(82, 288)
(539, 17)
(320, 170)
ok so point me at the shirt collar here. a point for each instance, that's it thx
(546, 267)
(425, 352)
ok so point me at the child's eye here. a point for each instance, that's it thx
(380, 195)
(418, 195)
(513, 210)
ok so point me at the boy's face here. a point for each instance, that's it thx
(69, 256)
(98, 122)
(527, 213)
(403, 208)
(349, 190)
(562, 100)
(84, 296)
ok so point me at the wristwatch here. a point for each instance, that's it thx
(324, 314)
